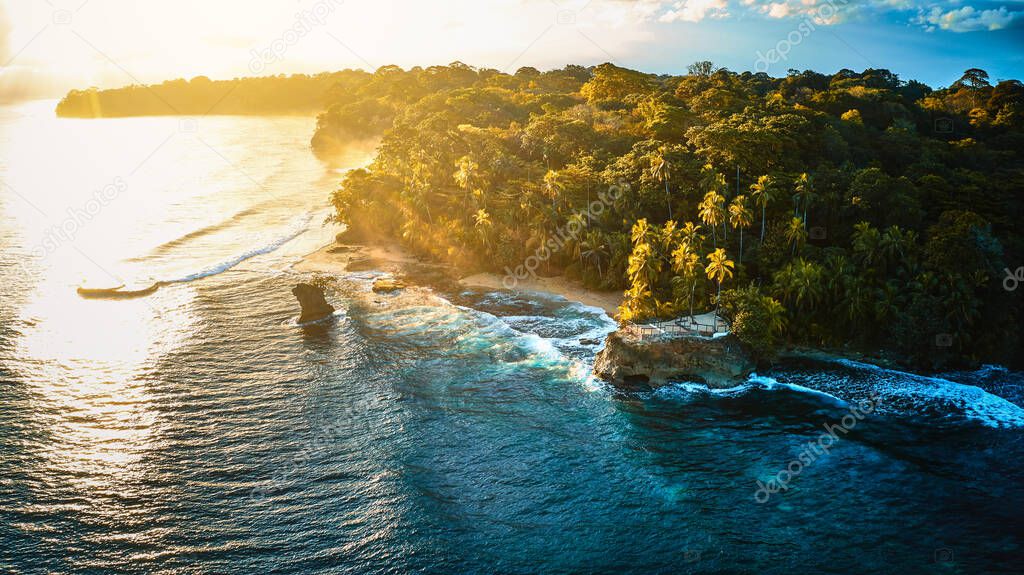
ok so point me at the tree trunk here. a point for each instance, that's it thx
(693, 290)
(718, 304)
(764, 210)
(668, 198)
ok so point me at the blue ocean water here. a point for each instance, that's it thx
(200, 430)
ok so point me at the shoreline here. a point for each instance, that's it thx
(390, 257)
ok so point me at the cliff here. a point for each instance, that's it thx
(634, 363)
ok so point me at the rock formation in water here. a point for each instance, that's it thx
(314, 305)
(634, 363)
(387, 285)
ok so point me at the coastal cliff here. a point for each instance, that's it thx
(643, 363)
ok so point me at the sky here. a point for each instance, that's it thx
(50, 46)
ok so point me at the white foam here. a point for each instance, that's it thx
(972, 402)
(771, 383)
(691, 388)
(220, 268)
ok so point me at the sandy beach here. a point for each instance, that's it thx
(391, 257)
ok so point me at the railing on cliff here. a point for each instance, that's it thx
(687, 325)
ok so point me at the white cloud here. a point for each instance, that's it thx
(968, 19)
(951, 15)
(695, 10)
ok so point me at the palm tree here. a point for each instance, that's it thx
(482, 221)
(796, 234)
(467, 169)
(712, 212)
(708, 178)
(660, 171)
(640, 232)
(740, 218)
(775, 316)
(578, 223)
(643, 271)
(804, 193)
(895, 245)
(594, 248)
(763, 193)
(644, 263)
(866, 242)
(809, 284)
(685, 261)
(669, 237)
(718, 270)
(690, 235)
(554, 185)
(800, 283)
(712, 181)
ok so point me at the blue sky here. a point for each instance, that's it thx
(50, 46)
(931, 42)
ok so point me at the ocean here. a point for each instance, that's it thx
(201, 430)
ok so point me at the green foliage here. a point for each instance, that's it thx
(884, 213)
(295, 94)
(873, 226)
(757, 320)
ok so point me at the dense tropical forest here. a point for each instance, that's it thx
(854, 210)
(296, 94)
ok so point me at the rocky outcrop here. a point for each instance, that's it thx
(634, 363)
(314, 305)
(387, 285)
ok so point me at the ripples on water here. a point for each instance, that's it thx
(201, 430)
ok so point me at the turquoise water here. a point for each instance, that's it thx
(201, 430)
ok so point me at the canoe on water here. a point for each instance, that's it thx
(119, 292)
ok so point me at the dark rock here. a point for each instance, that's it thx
(586, 341)
(314, 305)
(635, 363)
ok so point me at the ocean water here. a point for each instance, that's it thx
(200, 430)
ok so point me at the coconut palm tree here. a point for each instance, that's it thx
(712, 212)
(708, 178)
(775, 316)
(740, 218)
(800, 283)
(644, 263)
(685, 261)
(553, 186)
(660, 169)
(866, 242)
(804, 194)
(690, 235)
(482, 222)
(595, 248)
(796, 234)
(764, 193)
(641, 232)
(719, 268)
(464, 175)
(576, 224)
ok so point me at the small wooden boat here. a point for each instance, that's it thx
(119, 292)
